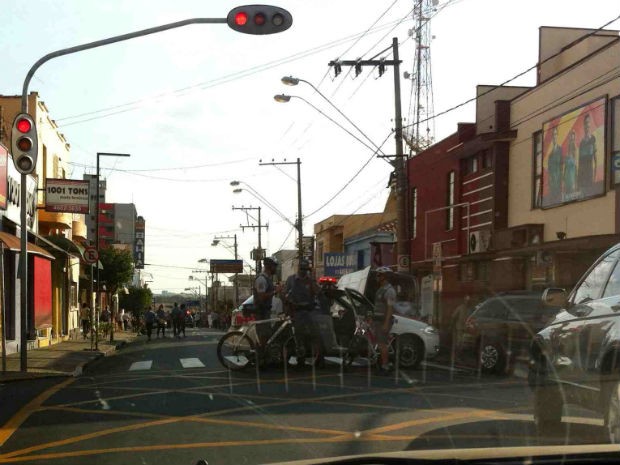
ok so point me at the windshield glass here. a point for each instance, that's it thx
(262, 233)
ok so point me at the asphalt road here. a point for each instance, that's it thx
(170, 402)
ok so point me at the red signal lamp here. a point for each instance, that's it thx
(24, 144)
(23, 126)
(241, 18)
(259, 19)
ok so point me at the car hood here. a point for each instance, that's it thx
(523, 453)
(404, 322)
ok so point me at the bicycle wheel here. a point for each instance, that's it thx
(236, 350)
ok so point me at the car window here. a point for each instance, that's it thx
(523, 308)
(592, 286)
(494, 308)
(362, 305)
(613, 285)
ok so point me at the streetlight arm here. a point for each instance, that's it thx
(108, 41)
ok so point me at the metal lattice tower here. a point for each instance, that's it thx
(420, 129)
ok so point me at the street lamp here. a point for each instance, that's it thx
(293, 81)
(249, 189)
(284, 98)
(98, 296)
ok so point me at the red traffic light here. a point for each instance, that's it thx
(259, 19)
(241, 18)
(23, 125)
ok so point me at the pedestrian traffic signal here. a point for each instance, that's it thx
(259, 19)
(24, 143)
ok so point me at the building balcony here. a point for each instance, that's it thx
(55, 220)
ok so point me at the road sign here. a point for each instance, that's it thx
(403, 263)
(226, 266)
(91, 255)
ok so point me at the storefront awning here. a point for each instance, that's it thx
(13, 243)
(66, 245)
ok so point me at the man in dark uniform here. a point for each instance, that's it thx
(300, 295)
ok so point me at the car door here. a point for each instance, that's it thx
(575, 339)
(491, 320)
(363, 306)
(522, 323)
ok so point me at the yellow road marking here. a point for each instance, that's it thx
(7, 430)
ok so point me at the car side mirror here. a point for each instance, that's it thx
(555, 297)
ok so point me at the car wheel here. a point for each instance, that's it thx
(547, 411)
(612, 415)
(491, 357)
(410, 351)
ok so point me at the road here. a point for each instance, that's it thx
(170, 402)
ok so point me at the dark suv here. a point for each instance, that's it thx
(576, 359)
(502, 328)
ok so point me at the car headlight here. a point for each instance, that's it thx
(430, 330)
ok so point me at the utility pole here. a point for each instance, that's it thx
(259, 254)
(402, 237)
(299, 222)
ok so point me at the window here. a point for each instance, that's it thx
(494, 308)
(472, 165)
(592, 286)
(319, 252)
(450, 201)
(487, 159)
(613, 286)
(55, 169)
(414, 212)
(537, 161)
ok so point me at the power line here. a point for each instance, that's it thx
(136, 104)
(531, 68)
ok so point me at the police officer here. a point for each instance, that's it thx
(263, 293)
(300, 294)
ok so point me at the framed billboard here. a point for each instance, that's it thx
(66, 195)
(574, 154)
(226, 266)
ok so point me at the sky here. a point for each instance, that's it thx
(195, 109)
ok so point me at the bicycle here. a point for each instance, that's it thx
(240, 348)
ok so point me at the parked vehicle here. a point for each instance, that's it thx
(502, 327)
(576, 358)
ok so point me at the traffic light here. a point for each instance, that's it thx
(24, 143)
(259, 19)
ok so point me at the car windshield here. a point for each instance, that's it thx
(256, 233)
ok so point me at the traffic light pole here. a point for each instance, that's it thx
(402, 242)
(247, 25)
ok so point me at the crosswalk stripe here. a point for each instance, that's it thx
(143, 365)
(191, 363)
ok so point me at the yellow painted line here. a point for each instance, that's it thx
(287, 427)
(7, 430)
(437, 419)
(160, 447)
(106, 412)
(84, 437)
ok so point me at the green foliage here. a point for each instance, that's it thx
(117, 268)
(136, 301)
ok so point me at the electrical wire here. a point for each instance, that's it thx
(531, 68)
(136, 104)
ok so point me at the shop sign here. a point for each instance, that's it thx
(138, 245)
(338, 264)
(67, 195)
(13, 208)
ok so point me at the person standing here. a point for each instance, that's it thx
(85, 319)
(300, 298)
(570, 167)
(182, 317)
(385, 298)
(149, 320)
(175, 315)
(161, 321)
(555, 170)
(586, 171)
(263, 293)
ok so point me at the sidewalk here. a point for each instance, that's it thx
(68, 358)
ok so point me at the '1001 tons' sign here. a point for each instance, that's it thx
(66, 195)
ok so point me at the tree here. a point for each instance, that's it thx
(117, 268)
(136, 301)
